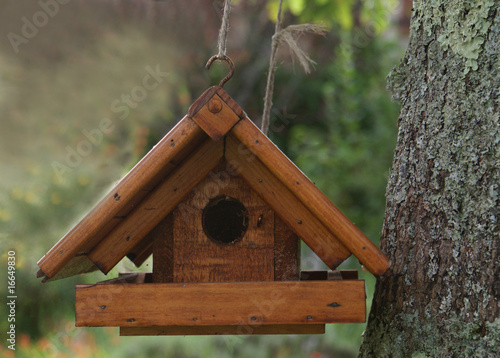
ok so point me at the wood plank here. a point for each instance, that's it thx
(230, 102)
(349, 274)
(141, 252)
(208, 94)
(223, 330)
(146, 174)
(286, 205)
(216, 118)
(228, 303)
(163, 250)
(156, 206)
(286, 251)
(78, 265)
(136, 200)
(200, 259)
(336, 222)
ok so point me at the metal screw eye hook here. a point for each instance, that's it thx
(231, 67)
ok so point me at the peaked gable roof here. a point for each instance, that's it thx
(119, 225)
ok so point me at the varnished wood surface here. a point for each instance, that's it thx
(209, 94)
(323, 209)
(163, 254)
(141, 252)
(216, 118)
(286, 251)
(156, 206)
(197, 258)
(336, 237)
(208, 304)
(182, 139)
(287, 205)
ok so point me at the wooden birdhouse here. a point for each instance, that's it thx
(222, 210)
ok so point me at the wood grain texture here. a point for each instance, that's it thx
(141, 252)
(330, 216)
(230, 303)
(182, 139)
(286, 252)
(156, 206)
(231, 102)
(208, 94)
(199, 259)
(216, 118)
(223, 330)
(286, 205)
(132, 203)
(202, 100)
(163, 254)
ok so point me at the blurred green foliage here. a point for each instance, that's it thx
(348, 154)
(337, 124)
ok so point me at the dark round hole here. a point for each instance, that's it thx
(225, 220)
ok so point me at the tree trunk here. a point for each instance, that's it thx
(441, 230)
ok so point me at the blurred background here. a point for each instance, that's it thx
(72, 68)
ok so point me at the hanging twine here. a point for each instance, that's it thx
(224, 29)
(290, 35)
(268, 99)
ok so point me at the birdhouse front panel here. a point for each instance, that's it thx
(224, 232)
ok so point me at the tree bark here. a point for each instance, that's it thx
(441, 230)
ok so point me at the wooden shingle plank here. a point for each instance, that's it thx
(78, 265)
(336, 222)
(223, 330)
(285, 204)
(231, 303)
(156, 206)
(145, 175)
(141, 252)
(141, 194)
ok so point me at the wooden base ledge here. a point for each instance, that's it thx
(222, 330)
(253, 304)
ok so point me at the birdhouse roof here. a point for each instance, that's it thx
(215, 129)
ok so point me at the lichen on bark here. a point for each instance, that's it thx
(462, 25)
(441, 229)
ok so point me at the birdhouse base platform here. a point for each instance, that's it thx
(271, 307)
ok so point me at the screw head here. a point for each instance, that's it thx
(215, 106)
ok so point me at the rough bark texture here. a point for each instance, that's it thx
(441, 230)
